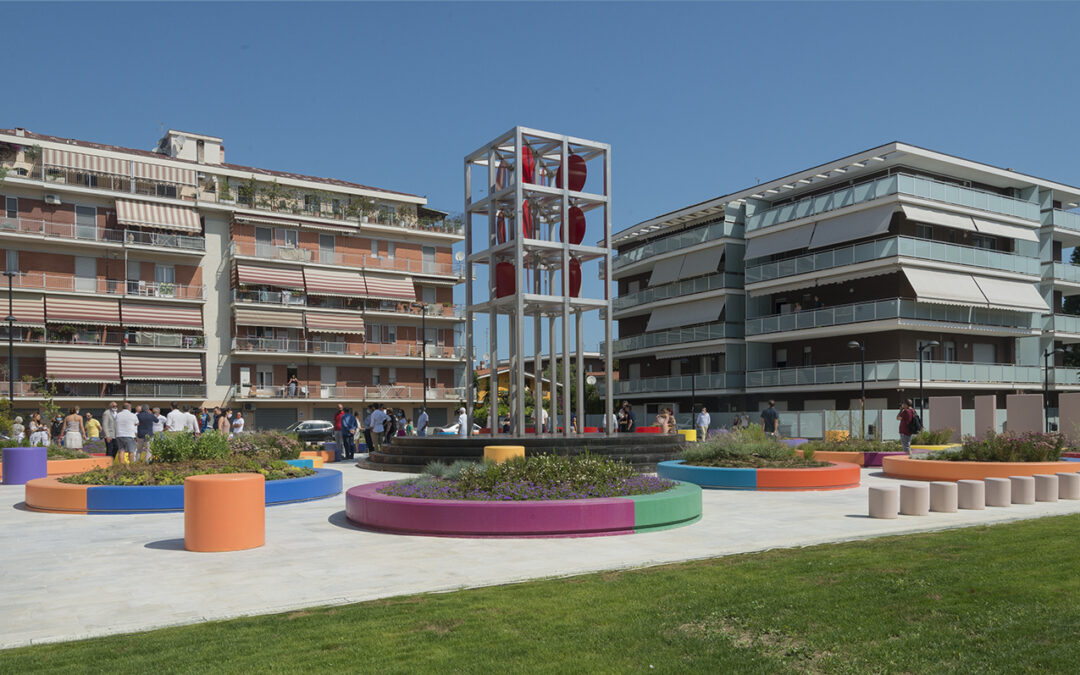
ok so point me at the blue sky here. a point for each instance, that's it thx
(697, 99)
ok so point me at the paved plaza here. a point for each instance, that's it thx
(65, 577)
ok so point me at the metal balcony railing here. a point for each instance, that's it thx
(353, 391)
(345, 259)
(675, 242)
(678, 336)
(401, 350)
(55, 281)
(53, 230)
(687, 383)
(892, 371)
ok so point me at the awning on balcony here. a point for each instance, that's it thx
(77, 160)
(162, 368)
(666, 271)
(327, 282)
(146, 315)
(685, 314)
(852, 226)
(997, 229)
(787, 240)
(163, 173)
(327, 322)
(254, 275)
(70, 365)
(1016, 295)
(390, 288)
(160, 216)
(83, 311)
(936, 217)
(27, 311)
(945, 288)
(701, 262)
(269, 318)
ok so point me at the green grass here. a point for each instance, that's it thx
(997, 599)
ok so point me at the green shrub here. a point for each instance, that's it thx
(172, 447)
(746, 448)
(851, 445)
(60, 452)
(450, 471)
(807, 453)
(939, 437)
(1006, 447)
(211, 445)
(158, 473)
(273, 444)
(577, 471)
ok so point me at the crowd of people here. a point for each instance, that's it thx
(377, 425)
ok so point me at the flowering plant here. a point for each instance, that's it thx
(1006, 447)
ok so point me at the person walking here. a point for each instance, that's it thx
(422, 422)
(389, 425)
(56, 429)
(191, 422)
(770, 419)
(369, 443)
(348, 429)
(662, 420)
(906, 416)
(702, 423)
(93, 427)
(463, 423)
(108, 428)
(145, 432)
(378, 427)
(631, 420)
(127, 424)
(337, 430)
(74, 432)
(224, 422)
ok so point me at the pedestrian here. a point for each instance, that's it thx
(745, 421)
(544, 420)
(798, 306)
(159, 421)
(17, 428)
(293, 385)
(205, 419)
(770, 420)
(702, 423)
(378, 427)
(56, 429)
(93, 427)
(39, 433)
(224, 422)
(127, 424)
(736, 422)
(410, 430)
(108, 427)
(818, 304)
(422, 422)
(631, 420)
(349, 426)
(906, 416)
(191, 422)
(673, 424)
(74, 432)
(369, 443)
(176, 420)
(389, 425)
(238, 424)
(145, 432)
(338, 438)
(463, 423)
(662, 420)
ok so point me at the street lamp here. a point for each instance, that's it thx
(923, 346)
(11, 339)
(1046, 384)
(858, 344)
(693, 388)
(423, 351)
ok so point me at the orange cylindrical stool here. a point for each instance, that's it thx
(224, 512)
(501, 453)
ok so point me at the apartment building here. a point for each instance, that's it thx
(172, 275)
(872, 258)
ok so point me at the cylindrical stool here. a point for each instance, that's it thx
(971, 494)
(884, 502)
(1046, 487)
(23, 464)
(1023, 489)
(943, 496)
(689, 435)
(1068, 485)
(998, 491)
(501, 453)
(915, 499)
(224, 512)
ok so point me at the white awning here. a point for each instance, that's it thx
(945, 288)
(83, 311)
(29, 311)
(326, 322)
(1017, 295)
(666, 271)
(163, 173)
(997, 229)
(686, 313)
(146, 315)
(858, 225)
(935, 217)
(778, 242)
(334, 283)
(78, 160)
(701, 262)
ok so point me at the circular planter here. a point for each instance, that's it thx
(793, 442)
(365, 506)
(860, 458)
(24, 464)
(931, 469)
(838, 476)
(48, 494)
(63, 467)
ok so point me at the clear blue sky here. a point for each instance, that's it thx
(697, 99)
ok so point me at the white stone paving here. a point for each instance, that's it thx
(65, 577)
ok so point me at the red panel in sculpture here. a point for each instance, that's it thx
(504, 279)
(578, 171)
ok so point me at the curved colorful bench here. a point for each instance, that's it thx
(501, 453)
(326, 455)
(930, 469)
(860, 458)
(367, 507)
(647, 430)
(24, 464)
(1075, 455)
(839, 476)
(48, 494)
(689, 435)
(224, 512)
(64, 467)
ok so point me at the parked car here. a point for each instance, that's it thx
(453, 429)
(311, 431)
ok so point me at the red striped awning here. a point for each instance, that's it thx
(164, 368)
(268, 318)
(162, 216)
(146, 315)
(27, 311)
(83, 311)
(331, 322)
(253, 275)
(164, 173)
(70, 365)
(68, 159)
(390, 288)
(326, 282)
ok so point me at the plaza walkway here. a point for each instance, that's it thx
(64, 577)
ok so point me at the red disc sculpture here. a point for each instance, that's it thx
(578, 170)
(575, 277)
(526, 219)
(504, 279)
(500, 227)
(528, 165)
(576, 219)
(502, 176)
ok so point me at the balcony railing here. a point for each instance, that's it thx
(1061, 323)
(675, 242)
(712, 331)
(132, 390)
(100, 180)
(1061, 272)
(892, 371)
(50, 230)
(288, 298)
(1069, 220)
(892, 308)
(343, 259)
(713, 282)
(137, 390)
(890, 248)
(298, 299)
(401, 350)
(903, 183)
(354, 391)
(55, 281)
(679, 383)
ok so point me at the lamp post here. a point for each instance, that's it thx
(693, 388)
(923, 346)
(11, 339)
(1046, 385)
(858, 344)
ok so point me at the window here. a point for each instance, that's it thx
(374, 248)
(427, 294)
(164, 190)
(984, 352)
(781, 358)
(87, 179)
(286, 238)
(389, 334)
(429, 375)
(924, 231)
(264, 376)
(264, 239)
(807, 356)
(11, 205)
(950, 351)
(376, 377)
(12, 262)
(372, 332)
(390, 249)
(676, 367)
(86, 222)
(165, 278)
(311, 203)
(635, 371)
(982, 241)
(392, 376)
(326, 248)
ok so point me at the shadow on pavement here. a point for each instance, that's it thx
(339, 519)
(167, 544)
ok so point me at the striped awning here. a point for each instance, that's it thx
(70, 365)
(262, 317)
(320, 322)
(68, 159)
(163, 173)
(146, 315)
(162, 216)
(93, 311)
(163, 368)
(390, 288)
(326, 282)
(27, 311)
(253, 275)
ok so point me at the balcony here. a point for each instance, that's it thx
(342, 259)
(141, 390)
(132, 390)
(398, 350)
(1064, 272)
(675, 242)
(1068, 220)
(998, 375)
(907, 184)
(354, 392)
(679, 383)
(286, 298)
(100, 338)
(893, 247)
(294, 299)
(1062, 323)
(69, 283)
(893, 308)
(713, 282)
(100, 180)
(91, 233)
(679, 336)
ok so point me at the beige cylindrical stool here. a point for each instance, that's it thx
(224, 512)
(1046, 487)
(884, 502)
(1023, 489)
(1068, 485)
(998, 491)
(943, 496)
(915, 499)
(501, 453)
(971, 494)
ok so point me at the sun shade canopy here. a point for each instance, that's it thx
(161, 216)
(337, 322)
(255, 275)
(788, 240)
(83, 311)
(686, 313)
(260, 317)
(145, 315)
(852, 226)
(166, 368)
(70, 365)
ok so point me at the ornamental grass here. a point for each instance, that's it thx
(174, 473)
(748, 448)
(1005, 447)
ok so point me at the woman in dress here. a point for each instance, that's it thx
(662, 420)
(673, 426)
(74, 431)
(17, 429)
(39, 434)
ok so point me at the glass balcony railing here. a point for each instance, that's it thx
(890, 248)
(892, 308)
(891, 371)
(712, 331)
(1061, 272)
(1068, 220)
(713, 282)
(1061, 323)
(674, 242)
(700, 383)
(907, 184)
(1065, 376)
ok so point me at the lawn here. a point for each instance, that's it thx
(1001, 598)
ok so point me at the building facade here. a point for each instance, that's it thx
(174, 276)
(784, 290)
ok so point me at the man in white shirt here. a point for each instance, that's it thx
(378, 426)
(126, 426)
(176, 419)
(159, 423)
(463, 423)
(543, 420)
(702, 423)
(422, 422)
(238, 423)
(191, 423)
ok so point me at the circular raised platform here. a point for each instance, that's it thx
(367, 507)
(63, 467)
(839, 476)
(48, 494)
(413, 453)
(932, 469)
(860, 458)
